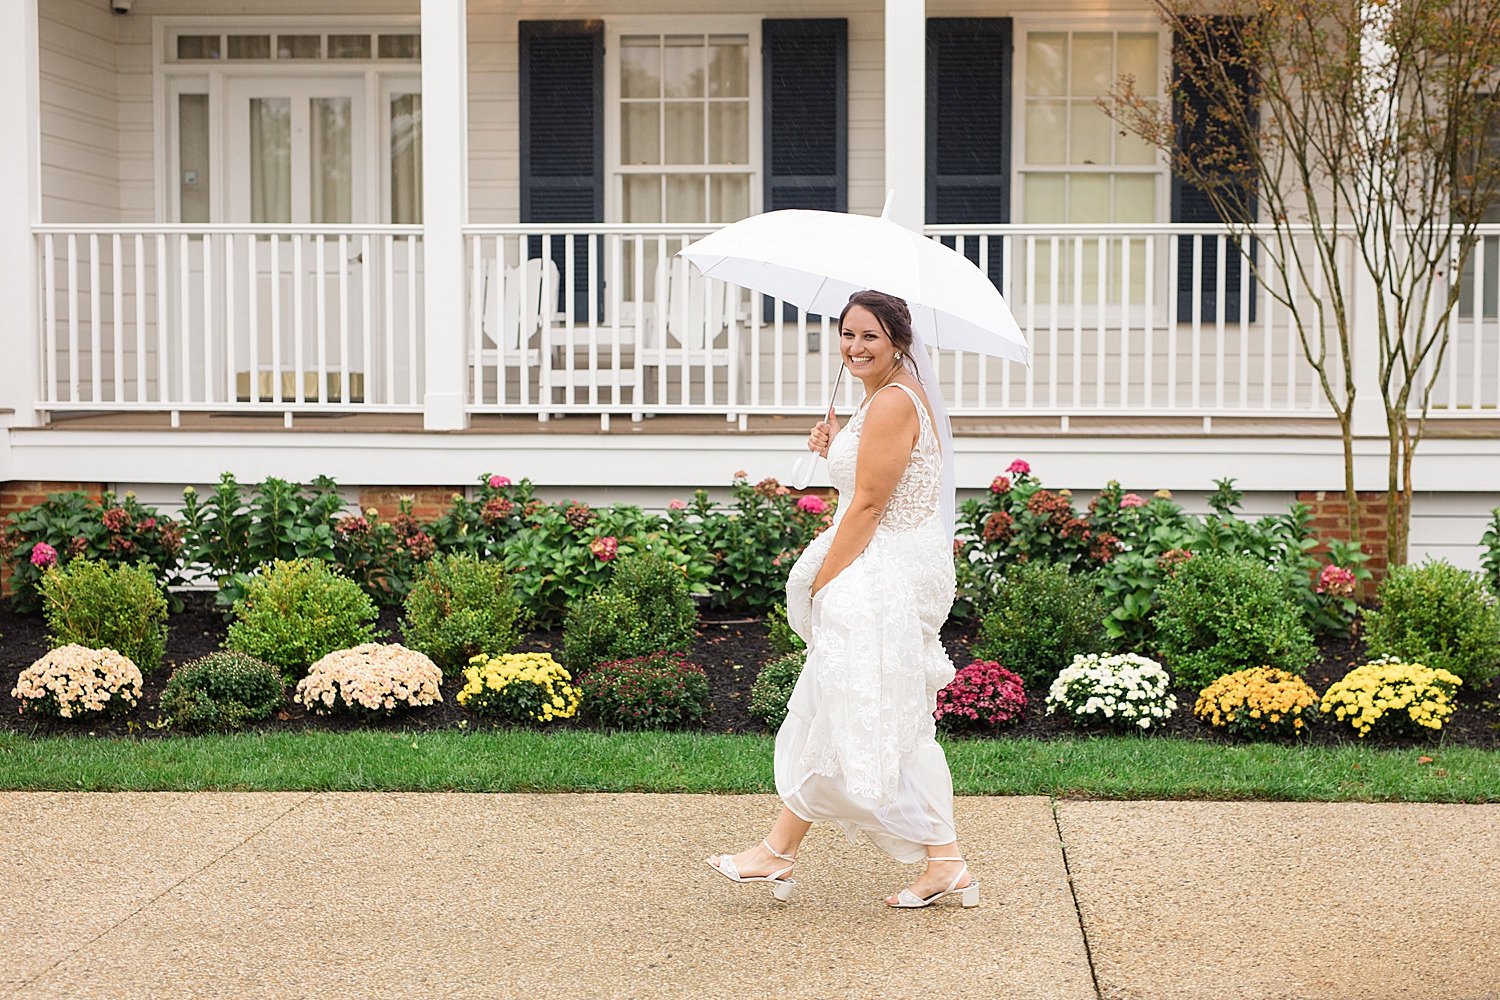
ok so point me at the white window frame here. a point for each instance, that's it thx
(171, 78)
(1103, 21)
(708, 24)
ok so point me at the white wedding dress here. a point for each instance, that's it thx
(857, 747)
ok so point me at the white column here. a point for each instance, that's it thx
(906, 110)
(20, 209)
(445, 207)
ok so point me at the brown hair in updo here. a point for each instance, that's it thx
(889, 311)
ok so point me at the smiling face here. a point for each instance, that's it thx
(866, 347)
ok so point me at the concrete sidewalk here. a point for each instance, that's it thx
(478, 896)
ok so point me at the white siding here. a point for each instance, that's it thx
(79, 111)
(1449, 526)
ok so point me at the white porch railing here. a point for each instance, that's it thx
(230, 317)
(1122, 320)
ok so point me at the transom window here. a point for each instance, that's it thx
(1078, 165)
(684, 132)
(192, 46)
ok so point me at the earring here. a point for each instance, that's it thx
(898, 355)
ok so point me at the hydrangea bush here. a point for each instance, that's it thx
(74, 681)
(982, 694)
(372, 679)
(1391, 698)
(1126, 691)
(1258, 702)
(520, 687)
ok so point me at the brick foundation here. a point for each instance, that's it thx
(1331, 520)
(18, 495)
(428, 502)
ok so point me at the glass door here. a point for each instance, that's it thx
(297, 150)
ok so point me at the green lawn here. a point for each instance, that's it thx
(1124, 768)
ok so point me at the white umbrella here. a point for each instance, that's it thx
(816, 260)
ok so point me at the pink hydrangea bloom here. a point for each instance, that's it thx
(1336, 580)
(43, 555)
(1020, 467)
(498, 481)
(604, 547)
(1132, 500)
(1000, 484)
(677, 505)
(812, 504)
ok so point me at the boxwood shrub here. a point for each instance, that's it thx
(103, 607)
(460, 608)
(1439, 616)
(645, 608)
(297, 611)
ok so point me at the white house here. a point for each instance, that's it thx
(404, 243)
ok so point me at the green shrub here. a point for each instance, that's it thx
(1439, 616)
(460, 608)
(652, 692)
(645, 608)
(773, 689)
(779, 632)
(222, 690)
(295, 612)
(1221, 613)
(119, 608)
(1039, 618)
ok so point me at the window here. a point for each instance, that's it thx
(1078, 165)
(684, 149)
(194, 46)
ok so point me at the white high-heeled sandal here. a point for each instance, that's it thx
(968, 895)
(781, 887)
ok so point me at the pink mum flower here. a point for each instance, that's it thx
(677, 505)
(43, 555)
(812, 505)
(498, 481)
(1020, 467)
(604, 547)
(1132, 500)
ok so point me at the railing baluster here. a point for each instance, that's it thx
(275, 269)
(184, 317)
(777, 365)
(320, 321)
(141, 395)
(96, 335)
(343, 324)
(1148, 328)
(49, 314)
(1054, 293)
(388, 254)
(163, 369)
(231, 355)
(616, 303)
(252, 303)
(801, 357)
(208, 317)
(413, 354)
(984, 268)
(117, 316)
(1031, 320)
(593, 292)
(1007, 280)
(1478, 369)
(1174, 283)
(638, 287)
(1197, 371)
(367, 327)
(1101, 250)
(663, 314)
(1076, 402)
(1245, 278)
(1126, 248)
(1267, 350)
(1220, 303)
(476, 319)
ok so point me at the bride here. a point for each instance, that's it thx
(869, 598)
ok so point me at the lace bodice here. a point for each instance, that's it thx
(916, 497)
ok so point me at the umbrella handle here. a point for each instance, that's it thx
(802, 470)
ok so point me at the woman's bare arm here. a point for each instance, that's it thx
(885, 444)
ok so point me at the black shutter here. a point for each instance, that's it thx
(1192, 204)
(968, 119)
(562, 136)
(804, 73)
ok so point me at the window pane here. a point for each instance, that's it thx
(1045, 198)
(684, 127)
(1046, 131)
(270, 159)
(640, 133)
(1093, 63)
(729, 132)
(299, 46)
(406, 159)
(197, 46)
(192, 156)
(1088, 198)
(400, 46)
(728, 66)
(1135, 198)
(1089, 133)
(729, 197)
(332, 196)
(685, 198)
(642, 197)
(640, 66)
(249, 46)
(348, 46)
(1137, 58)
(1046, 63)
(682, 65)
(1131, 148)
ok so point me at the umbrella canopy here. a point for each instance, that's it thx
(816, 260)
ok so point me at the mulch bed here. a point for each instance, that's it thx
(730, 647)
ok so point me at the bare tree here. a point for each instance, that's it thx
(1330, 132)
